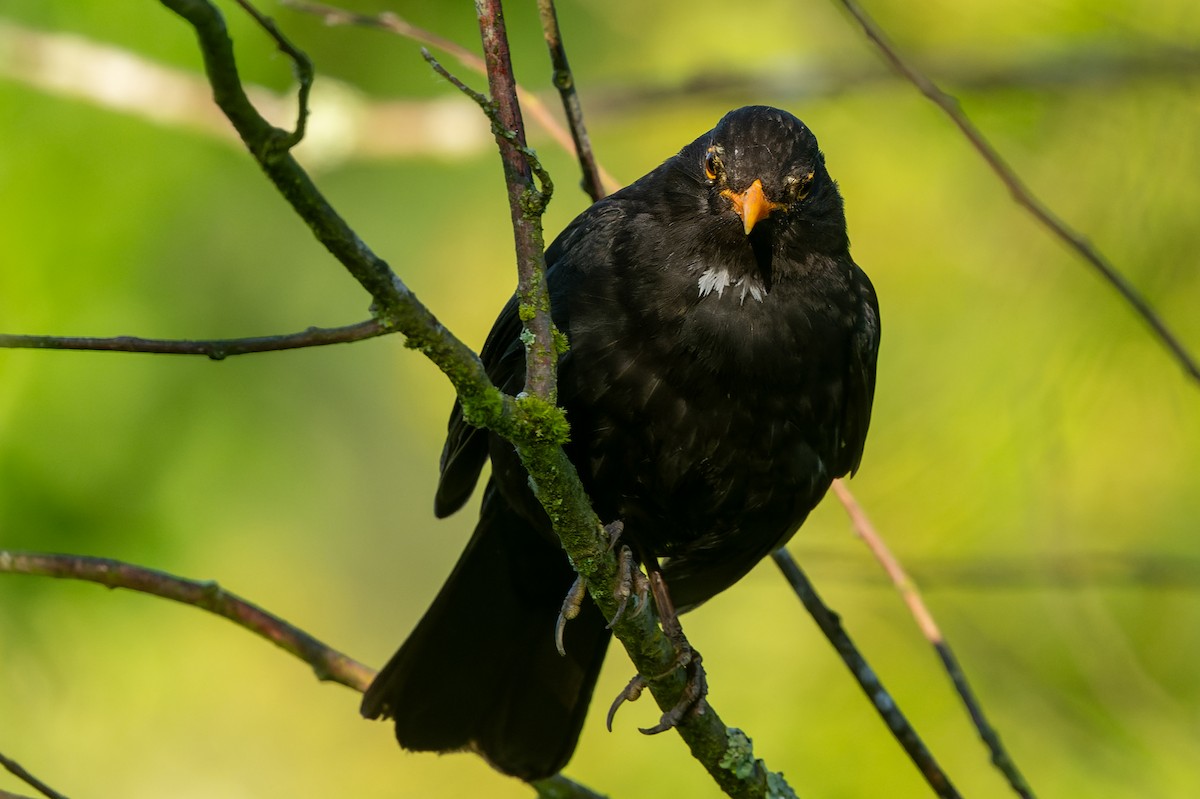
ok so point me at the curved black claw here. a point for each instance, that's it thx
(571, 605)
(630, 693)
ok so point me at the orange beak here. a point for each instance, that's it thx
(751, 205)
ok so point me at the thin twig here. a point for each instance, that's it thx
(18, 771)
(565, 83)
(301, 65)
(830, 624)
(1021, 193)
(912, 597)
(393, 23)
(326, 662)
(526, 204)
(216, 349)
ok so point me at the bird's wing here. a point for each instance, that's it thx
(582, 245)
(860, 383)
(466, 446)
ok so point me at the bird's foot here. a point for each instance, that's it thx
(692, 699)
(691, 702)
(630, 584)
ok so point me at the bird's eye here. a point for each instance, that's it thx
(798, 185)
(712, 165)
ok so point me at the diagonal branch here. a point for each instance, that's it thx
(328, 663)
(908, 590)
(1021, 193)
(19, 771)
(593, 182)
(216, 349)
(830, 624)
(526, 204)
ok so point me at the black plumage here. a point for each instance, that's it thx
(720, 374)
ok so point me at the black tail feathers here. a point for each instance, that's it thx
(481, 671)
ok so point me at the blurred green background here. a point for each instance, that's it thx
(1033, 458)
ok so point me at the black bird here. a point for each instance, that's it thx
(720, 375)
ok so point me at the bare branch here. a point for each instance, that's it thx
(565, 83)
(1021, 193)
(326, 662)
(216, 349)
(830, 624)
(20, 773)
(912, 597)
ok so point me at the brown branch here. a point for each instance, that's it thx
(18, 771)
(912, 597)
(326, 662)
(830, 624)
(593, 184)
(526, 204)
(1021, 193)
(216, 349)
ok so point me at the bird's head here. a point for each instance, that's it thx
(763, 168)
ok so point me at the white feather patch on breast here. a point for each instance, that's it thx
(715, 279)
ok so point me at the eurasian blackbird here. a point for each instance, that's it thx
(720, 374)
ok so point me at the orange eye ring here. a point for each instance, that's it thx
(712, 165)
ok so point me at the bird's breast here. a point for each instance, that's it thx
(698, 414)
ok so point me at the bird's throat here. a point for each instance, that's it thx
(762, 243)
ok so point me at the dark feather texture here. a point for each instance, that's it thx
(718, 379)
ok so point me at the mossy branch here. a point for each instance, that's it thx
(726, 754)
(533, 424)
